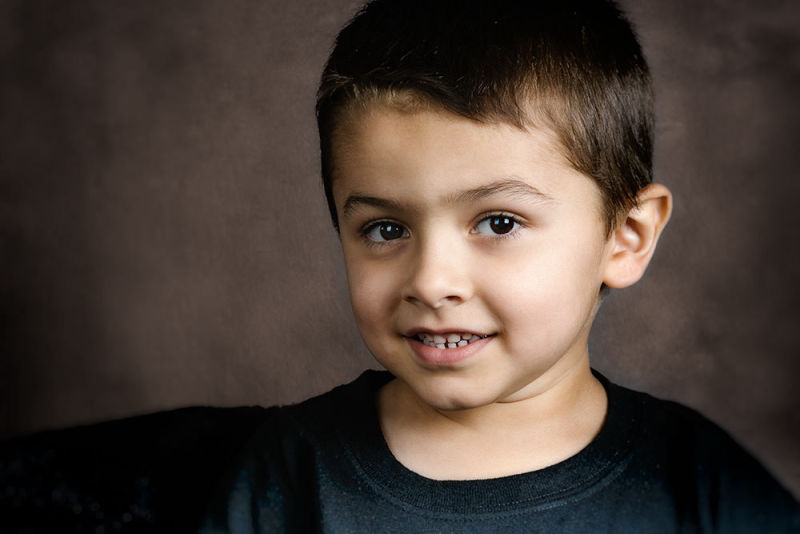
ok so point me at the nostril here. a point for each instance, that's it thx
(437, 281)
(450, 300)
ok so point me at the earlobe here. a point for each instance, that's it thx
(634, 240)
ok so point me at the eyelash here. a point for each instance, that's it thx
(517, 221)
(372, 225)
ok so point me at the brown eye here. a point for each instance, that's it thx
(391, 231)
(385, 231)
(501, 225)
(495, 225)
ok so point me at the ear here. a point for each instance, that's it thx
(633, 242)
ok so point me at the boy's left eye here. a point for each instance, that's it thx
(497, 225)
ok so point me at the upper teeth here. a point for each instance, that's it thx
(448, 341)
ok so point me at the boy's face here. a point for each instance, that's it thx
(454, 228)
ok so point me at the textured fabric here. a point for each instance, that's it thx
(656, 466)
(152, 473)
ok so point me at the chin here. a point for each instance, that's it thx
(442, 397)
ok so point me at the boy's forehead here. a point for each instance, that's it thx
(383, 130)
(379, 152)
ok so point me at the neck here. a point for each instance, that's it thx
(520, 435)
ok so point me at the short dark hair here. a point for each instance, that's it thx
(573, 67)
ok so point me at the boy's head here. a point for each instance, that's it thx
(572, 68)
(486, 164)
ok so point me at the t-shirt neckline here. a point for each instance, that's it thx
(585, 472)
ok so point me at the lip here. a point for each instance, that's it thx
(433, 357)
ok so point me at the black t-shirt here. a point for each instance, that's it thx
(323, 466)
(152, 473)
(655, 466)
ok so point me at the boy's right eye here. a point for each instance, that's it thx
(383, 231)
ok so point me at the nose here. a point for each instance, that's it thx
(438, 276)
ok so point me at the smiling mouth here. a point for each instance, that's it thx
(449, 341)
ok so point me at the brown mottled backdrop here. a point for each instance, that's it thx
(164, 241)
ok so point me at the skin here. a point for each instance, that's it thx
(416, 193)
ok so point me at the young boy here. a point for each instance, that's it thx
(488, 168)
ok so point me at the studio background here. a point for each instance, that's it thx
(164, 239)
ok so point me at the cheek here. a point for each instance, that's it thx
(547, 291)
(370, 294)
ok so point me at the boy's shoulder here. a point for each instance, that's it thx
(653, 419)
(343, 414)
(320, 412)
(674, 436)
(137, 473)
(677, 451)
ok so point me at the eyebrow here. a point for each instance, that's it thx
(505, 186)
(356, 201)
